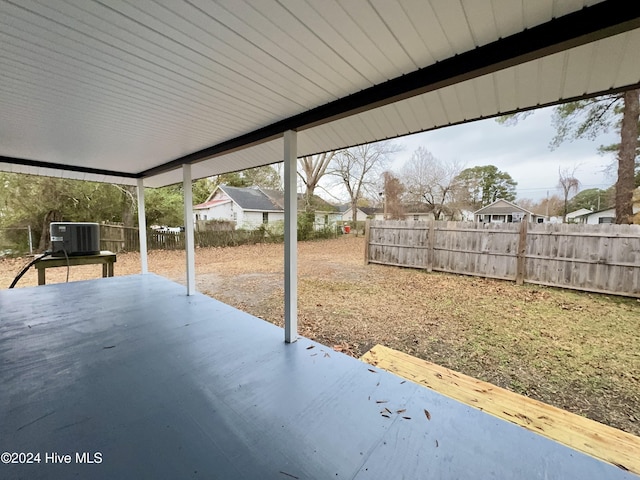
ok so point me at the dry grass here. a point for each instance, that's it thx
(577, 351)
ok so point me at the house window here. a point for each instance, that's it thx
(265, 217)
(606, 220)
(326, 219)
(416, 218)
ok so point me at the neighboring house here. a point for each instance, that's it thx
(325, 214)
(362, 213)
(247, 207)
(250, 207)
(418, 212)
(422, 212)
(502, 211)
(578, 215)
(607, 215)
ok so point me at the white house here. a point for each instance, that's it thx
(601, 216)
(608, 215)
(250, 207)
(362, 213)
(247, 207)
(502, 211)
(577, 216)
(325, 214)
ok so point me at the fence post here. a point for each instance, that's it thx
(30, 240)
(431, 233)
(367, 239)
(522, 250)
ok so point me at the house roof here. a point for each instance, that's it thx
(366, 210)
(250, 198)
(107, 90)
(579, 212)
(261, 199)
(210, 203)
(369, 210)
(588, 214)
(319, 204)
(502, 207)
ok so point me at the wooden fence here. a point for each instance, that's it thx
(595, 258)
(118, 238)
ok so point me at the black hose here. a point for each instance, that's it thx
(24, 270)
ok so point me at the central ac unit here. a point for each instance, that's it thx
(75, 238)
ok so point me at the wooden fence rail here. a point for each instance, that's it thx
(595, 258)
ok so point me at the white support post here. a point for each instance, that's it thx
(142, 228)
(189, 243)
(290, 236)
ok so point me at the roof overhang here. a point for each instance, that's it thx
(106, 91)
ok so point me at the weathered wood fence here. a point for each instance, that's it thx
(595, 258)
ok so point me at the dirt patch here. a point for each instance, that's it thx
(575, 350)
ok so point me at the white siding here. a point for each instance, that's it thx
(348, 216)
(594, 218)
(252, 219)
(216, 212)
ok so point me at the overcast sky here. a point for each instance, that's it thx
(521, 150)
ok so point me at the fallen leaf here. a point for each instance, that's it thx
(407, 418)
(372, 370)
(384, 401)
(427, 414)
(401, 410)
(310, 347)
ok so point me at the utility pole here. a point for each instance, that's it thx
(547, 214)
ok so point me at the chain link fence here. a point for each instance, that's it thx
(16, 241)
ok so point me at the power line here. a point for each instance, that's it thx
(597, 185)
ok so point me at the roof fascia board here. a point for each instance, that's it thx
(72, 168)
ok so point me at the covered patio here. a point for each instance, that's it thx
(152, 383)
(173, 385)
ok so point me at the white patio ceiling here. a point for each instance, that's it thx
(113, 90)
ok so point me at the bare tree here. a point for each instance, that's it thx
(568, 183)
(358, 169)
(393, 190)
(430, 180)
(312, 169)
(551, 205)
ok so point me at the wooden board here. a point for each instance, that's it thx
(601, 441)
